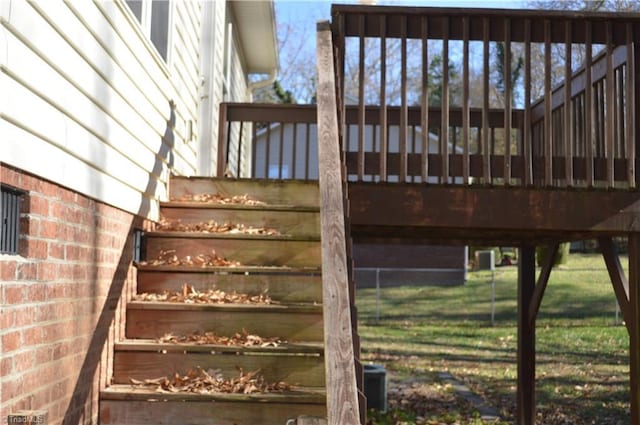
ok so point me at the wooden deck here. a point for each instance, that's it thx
(556, 162)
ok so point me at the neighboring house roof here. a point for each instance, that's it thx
(257, 30)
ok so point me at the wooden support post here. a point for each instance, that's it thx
(342, 391)
(634, 325)
(526, 403)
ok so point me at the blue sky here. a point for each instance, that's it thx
(298, 18)
(313, 10)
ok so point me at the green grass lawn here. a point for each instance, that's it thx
(582, 353)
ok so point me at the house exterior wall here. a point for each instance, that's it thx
(224, 80)
(93, 120)
(309, 142)
(212, 92)
(86, 89)
(62, 300)
(237, 91)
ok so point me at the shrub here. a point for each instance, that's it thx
(561, 257)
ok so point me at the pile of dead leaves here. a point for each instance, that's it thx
(239, 339)
(217, 198)
(169, 258)
(189, 295)
(213, 226)
(200, 381)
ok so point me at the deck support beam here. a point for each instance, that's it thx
(617, 276)
(526, 401)
(543, 280)
(634, 325)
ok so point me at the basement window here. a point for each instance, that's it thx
(10, 219)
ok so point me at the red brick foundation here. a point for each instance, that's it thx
(62, 300)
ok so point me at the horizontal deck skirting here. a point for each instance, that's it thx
(457, 214)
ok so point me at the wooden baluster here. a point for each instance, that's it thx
(507, 102)
(294, 152)
(588, 103)
(424, 113)
(383, 99)
(267, 152)
(413, 151)
(361, 89)
(306, 152)
(281, 150)
(568, 124)
(222, 141)
(374, 141)
(609, 98)
(486, 154)
(240, 141)
(548, 119)
(631, 109)
(403, 95)
(621, 149)
(528, 171)
(254, 147)
(444, 131)
(577, 126)
(465, 100)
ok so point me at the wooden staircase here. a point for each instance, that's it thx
(286, 267)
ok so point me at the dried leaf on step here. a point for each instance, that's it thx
(169, 258)
(218, 198)
(201, 381)
(190, 295)
(239, 339)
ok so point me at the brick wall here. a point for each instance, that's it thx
(62, 300)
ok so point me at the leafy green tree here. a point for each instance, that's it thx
(436, 79)
(500, 77)
(282, 95)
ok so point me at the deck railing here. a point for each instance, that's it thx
(282, 141)
(400, 68)
(390, 56)
(606, 154)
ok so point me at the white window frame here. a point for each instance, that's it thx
(145, 25)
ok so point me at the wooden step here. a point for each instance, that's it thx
(281, 364)
(126, 405)
(290, 322)
(272, 192)
(281, 284)
(247, 249)
(298, 221)
(306, 348)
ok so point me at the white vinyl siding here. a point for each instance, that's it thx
(237, 92)
(86, 99)
(215, 90)
(218, 70)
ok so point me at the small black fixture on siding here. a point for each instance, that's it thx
(10, 230)
(138, 245)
